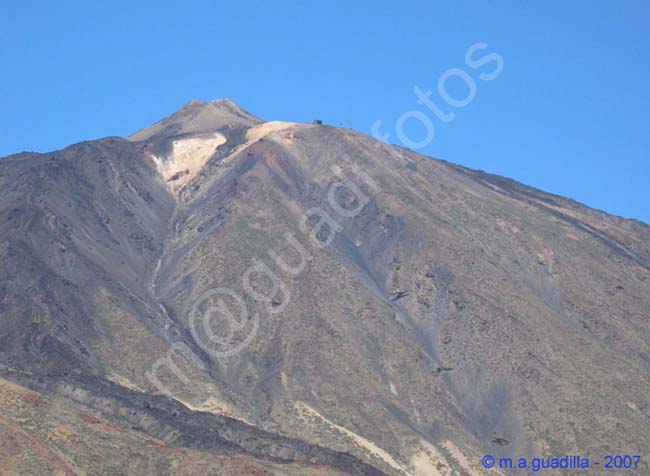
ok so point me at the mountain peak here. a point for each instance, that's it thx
(224, 104)
(228, 105)
(197, 117)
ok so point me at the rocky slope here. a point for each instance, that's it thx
(301, 294)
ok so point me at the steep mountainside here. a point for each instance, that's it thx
(300, 295)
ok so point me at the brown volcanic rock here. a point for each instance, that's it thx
(43, 437)
(450, 306)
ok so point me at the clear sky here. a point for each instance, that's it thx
(568, 113)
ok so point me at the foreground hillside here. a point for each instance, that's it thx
(41, 437)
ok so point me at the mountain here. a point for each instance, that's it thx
(290, 298)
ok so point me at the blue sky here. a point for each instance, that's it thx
(568, 113)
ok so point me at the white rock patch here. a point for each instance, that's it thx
(187, 158)
(305, 411)
(258, 132)
(428, 461)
